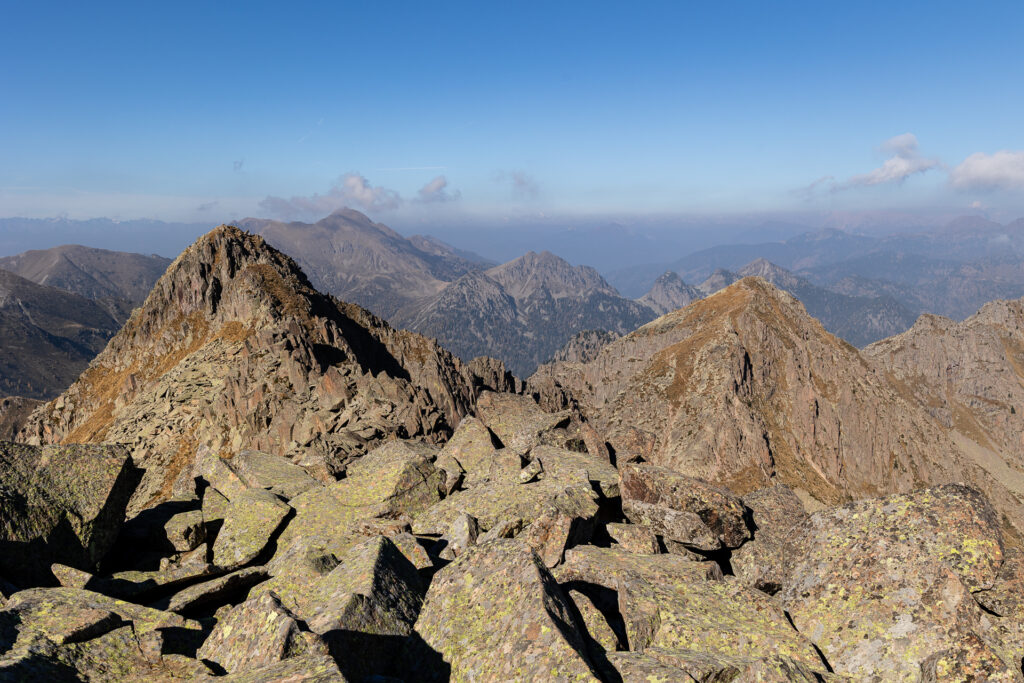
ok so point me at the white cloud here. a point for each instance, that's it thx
(436, 191)
(352, 189)
(1003, 170)
(905, 162)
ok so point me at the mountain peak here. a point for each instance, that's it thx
(534, 273)
(234, 349)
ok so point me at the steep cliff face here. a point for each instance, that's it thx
(233, 349)
(969, 376)
(744, 388)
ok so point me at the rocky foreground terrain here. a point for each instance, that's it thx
(257, 482)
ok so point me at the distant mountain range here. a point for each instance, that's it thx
(59, 307)
(524, 311)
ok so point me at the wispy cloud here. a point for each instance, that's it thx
(1003, 170)
(436, 191)
(905, 162)
(352, 189)
(524, 186)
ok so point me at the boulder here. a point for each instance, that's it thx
(61, 504)
(472, 447)
(186, 530)
(496, 613)
(775, 512)
(502, 498)
(366, 604)
(634, 538)
(567, 520)
(250, 522)
(73, 614)
(883, 585)
(271, 472)
(593, 566)
(517, 420)
(683, 509)
(721, 619)
(657, 664)
(460, 535)
(259, 632)
(215, 592)
(305, 669)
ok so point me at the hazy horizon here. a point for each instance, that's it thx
(478, 117)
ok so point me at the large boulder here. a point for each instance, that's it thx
(496, 613)
(776, 510)
(250, 522)
(683, 509)
(883, 585)
(259, 632)
(61, 504)
(366, 604)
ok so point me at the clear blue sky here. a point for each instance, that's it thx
(196, 111)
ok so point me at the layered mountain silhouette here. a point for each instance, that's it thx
(523, 310)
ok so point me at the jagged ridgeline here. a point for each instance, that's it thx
(234, 349)
(273, 485)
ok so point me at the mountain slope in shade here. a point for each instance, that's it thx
(522, 311)
(235, 350)
(47, 335)
(368, 263)
(969, 376)
(745, 389)
(96, 274)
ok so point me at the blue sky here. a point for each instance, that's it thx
(425, 111)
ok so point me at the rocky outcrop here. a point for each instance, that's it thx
(743, 389)
(234, 350)
(883, 607)
(497, 598)
(969, 377)
(60, 503)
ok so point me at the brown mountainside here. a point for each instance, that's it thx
(970, 377)
(745, 388)
(234, 349)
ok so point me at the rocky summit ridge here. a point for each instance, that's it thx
(272, 485)
(234, 349)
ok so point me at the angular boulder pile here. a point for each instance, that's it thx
(516, 551)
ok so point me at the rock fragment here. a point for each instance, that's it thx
(259, 632)
(496, 613)
(683, 509)
(249, 524)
